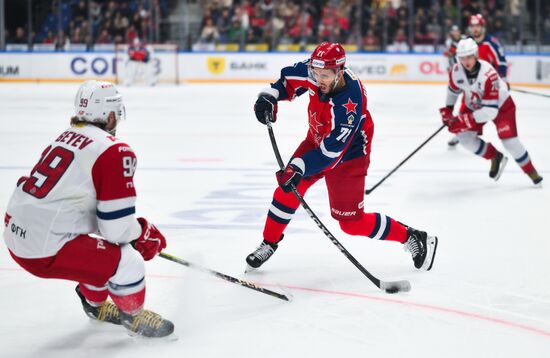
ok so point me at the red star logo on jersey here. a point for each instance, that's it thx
(350, 106)
(315, 124)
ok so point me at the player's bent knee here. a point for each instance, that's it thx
(469, 140)
(130, 274)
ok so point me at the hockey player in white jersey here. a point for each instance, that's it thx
(486, 98)
(73, 216)
(453, 37)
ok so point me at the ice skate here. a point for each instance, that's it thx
(422, 248)
(260, 255)
(536, 178)
(107, 312)
(497, 165)
(147, 324)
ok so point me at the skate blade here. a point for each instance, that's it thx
(139, 338)
(249, 269)
(501, 169)
(432, 246)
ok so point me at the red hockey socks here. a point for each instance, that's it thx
(486, 150)
(282, 209)
(376, 226)
(132, 303)
(525, 163)
(94, 295)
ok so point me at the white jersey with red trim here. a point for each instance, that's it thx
(82, 184)
(483, 95)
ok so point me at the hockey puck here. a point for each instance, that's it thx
(392, 289)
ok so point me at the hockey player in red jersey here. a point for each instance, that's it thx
(486, 98)
(140, 64)
(489, 48)
(74, 216)
(336, 148)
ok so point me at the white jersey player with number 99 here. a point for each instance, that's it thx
(73, 216)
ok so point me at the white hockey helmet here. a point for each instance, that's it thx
(466, 47)
(94, 101)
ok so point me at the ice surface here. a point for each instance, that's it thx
(205, 177)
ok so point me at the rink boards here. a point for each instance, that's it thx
(209, 67)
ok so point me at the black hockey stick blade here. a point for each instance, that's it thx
(223, 276)
(368, 191)
(395, 286)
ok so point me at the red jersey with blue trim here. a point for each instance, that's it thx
(338, 122)
(138, 53)
(490, 50)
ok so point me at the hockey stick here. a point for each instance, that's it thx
(223, 276)
(368, 191)
(529, 92)
(388, 287)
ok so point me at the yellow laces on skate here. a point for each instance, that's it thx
(108, 312)
(148, 319)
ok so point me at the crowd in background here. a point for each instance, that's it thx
(371, 25)
(91, 23)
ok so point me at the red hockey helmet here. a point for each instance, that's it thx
(477, 19)
(328, 55)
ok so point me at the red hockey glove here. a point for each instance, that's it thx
(446, 113)
(462, 123)
(266, 106)
(150, 242)
(467, 120)
(291, 175)
(455, 125)
(452, 123)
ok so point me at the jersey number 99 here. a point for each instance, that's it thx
(45, 175)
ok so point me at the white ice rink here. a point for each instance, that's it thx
(206, 177)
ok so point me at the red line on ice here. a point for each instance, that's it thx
(428, 307)
(425, 306)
